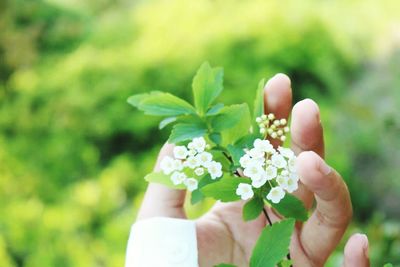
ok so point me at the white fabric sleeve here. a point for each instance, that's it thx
(162, 242)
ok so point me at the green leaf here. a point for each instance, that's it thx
(214, 109)
(166, 121)
(388, 265)
(253, 208)
(225, 265)
(136, 99)
(291, 207)
(207, 85)
(161, 178)
(215, 137)
(163, 104)
(286, 263)
(228, 117)
(258, 105)
(240, 129)
(197, 195)
(225, 188)
(273, 244)
(187, 131)
(236, 153)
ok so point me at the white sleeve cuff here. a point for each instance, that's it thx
(162, 242)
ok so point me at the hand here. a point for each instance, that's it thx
(223, 236)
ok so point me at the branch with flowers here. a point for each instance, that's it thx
(227, 153)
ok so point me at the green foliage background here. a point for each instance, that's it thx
(73, 154)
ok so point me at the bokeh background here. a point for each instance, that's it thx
(73, 153)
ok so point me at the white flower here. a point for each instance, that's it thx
(292, 164)
(215, 169)
(257, 183)
(178, 178)
(255, 153)
(192, 162)
(278, 161)
(282, 181)
(177, 165)
(244, 191)
(245, 160)
(192, 152)
(167, 165)
(263, 145)
(198, 144)
(199, 171)
(191, 184)
(291, 185)
(286, 152)
(180, 152)
(294, 176)
(254, 171)
(204, 158)
(271, 172)
(276, 194)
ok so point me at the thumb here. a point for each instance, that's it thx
(356, 251)
(159, 200)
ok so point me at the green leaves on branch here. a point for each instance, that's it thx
(253, 208)
(187, 131)
(258, 105)
(161, 178)
(273, 244)
(228, 117)
(207, 85)
(291, 207)
(224, 189)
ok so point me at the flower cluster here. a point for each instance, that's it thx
(264, 164)
(275, 128)
(190, 163)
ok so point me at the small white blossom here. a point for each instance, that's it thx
(192, 152)
(254, 171)
(244, 191)
(278, 161)
(245, 160)
(177, 165)
(167, 165)
(178, 178)
(198, 144)
(291, 185)
(192, 162)
(191, 184)
(255, 153)
(276, 194)
(263, 145)
(282, 181)
(271, 172)
(286, 152)
(257, 183)
(199, 171)
(214, 169)
(204, 158)
(180, 152)
(292, 164)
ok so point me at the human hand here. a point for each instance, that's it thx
(222, 234)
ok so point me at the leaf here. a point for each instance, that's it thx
(161, 178)
(166, 121)
(253, 208)
(136, 99)
(187, 131)
(214, 109)
(273, 244)
(215, 137)
(207, 85)
(225, 265)
(240, 129)
(286, 263)
(164, 104)
(197, 195)
(236, 153)
(225, 188)
(388, 265)
(291, 207)
(228, 117)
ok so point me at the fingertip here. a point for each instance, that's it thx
(356, 251)
(307, 107)
(278, 95)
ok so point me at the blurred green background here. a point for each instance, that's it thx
(73, 153)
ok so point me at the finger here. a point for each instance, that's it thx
(324, 229)
(356, 251)
(159, 200)
(307, 135)
(278, 98)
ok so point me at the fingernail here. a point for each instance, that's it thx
(366, 245)
(324, 168)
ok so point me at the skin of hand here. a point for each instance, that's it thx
(223, 236)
